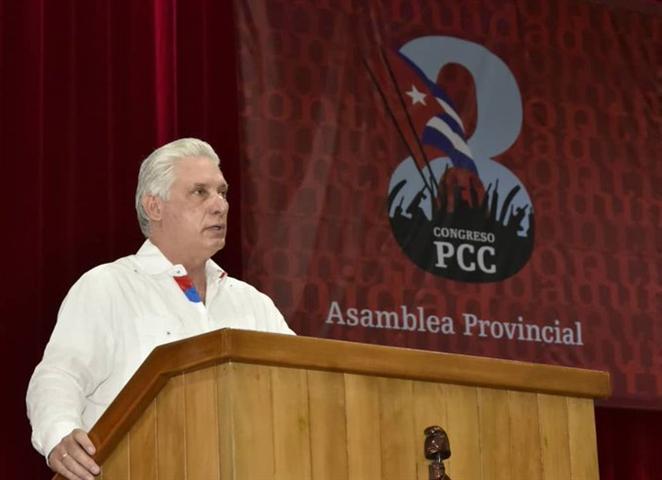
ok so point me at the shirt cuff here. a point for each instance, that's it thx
(54, 436)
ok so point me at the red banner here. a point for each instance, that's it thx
(480, 179)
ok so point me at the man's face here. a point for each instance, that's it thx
(194, 218)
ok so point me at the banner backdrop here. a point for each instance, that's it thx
(474, 177)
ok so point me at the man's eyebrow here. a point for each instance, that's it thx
(223, 185)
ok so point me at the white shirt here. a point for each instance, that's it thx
(109, 322)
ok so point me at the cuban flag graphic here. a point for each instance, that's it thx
(432, 113)
(431, 128)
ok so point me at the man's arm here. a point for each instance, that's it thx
(268, 313)
(76, 360)
(240, 300)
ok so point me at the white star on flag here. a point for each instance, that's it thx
(416, 96)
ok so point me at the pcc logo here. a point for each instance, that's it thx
(453, 209)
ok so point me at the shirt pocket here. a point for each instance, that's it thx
(154, 330)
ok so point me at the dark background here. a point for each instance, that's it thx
(87, 90)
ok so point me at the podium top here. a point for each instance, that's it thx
(309, 353)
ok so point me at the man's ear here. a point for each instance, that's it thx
(153, 206)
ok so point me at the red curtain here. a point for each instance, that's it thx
(87, 89)
(629, 444)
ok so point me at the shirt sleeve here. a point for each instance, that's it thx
(269, 317)
(275, 322)
(77, 359)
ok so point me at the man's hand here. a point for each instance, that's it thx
(72, 457)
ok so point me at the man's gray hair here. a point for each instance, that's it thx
(157, 172)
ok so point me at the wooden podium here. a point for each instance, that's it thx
(238, 405)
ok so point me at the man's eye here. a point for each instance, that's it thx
(200, 191)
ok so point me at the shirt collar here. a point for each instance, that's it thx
(153, 262)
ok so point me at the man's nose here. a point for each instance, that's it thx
(220, 204)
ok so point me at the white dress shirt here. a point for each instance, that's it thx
(109, 322)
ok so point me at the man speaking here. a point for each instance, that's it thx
(116, 313)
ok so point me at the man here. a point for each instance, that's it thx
(118, 312)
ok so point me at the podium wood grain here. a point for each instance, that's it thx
(234, 405)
